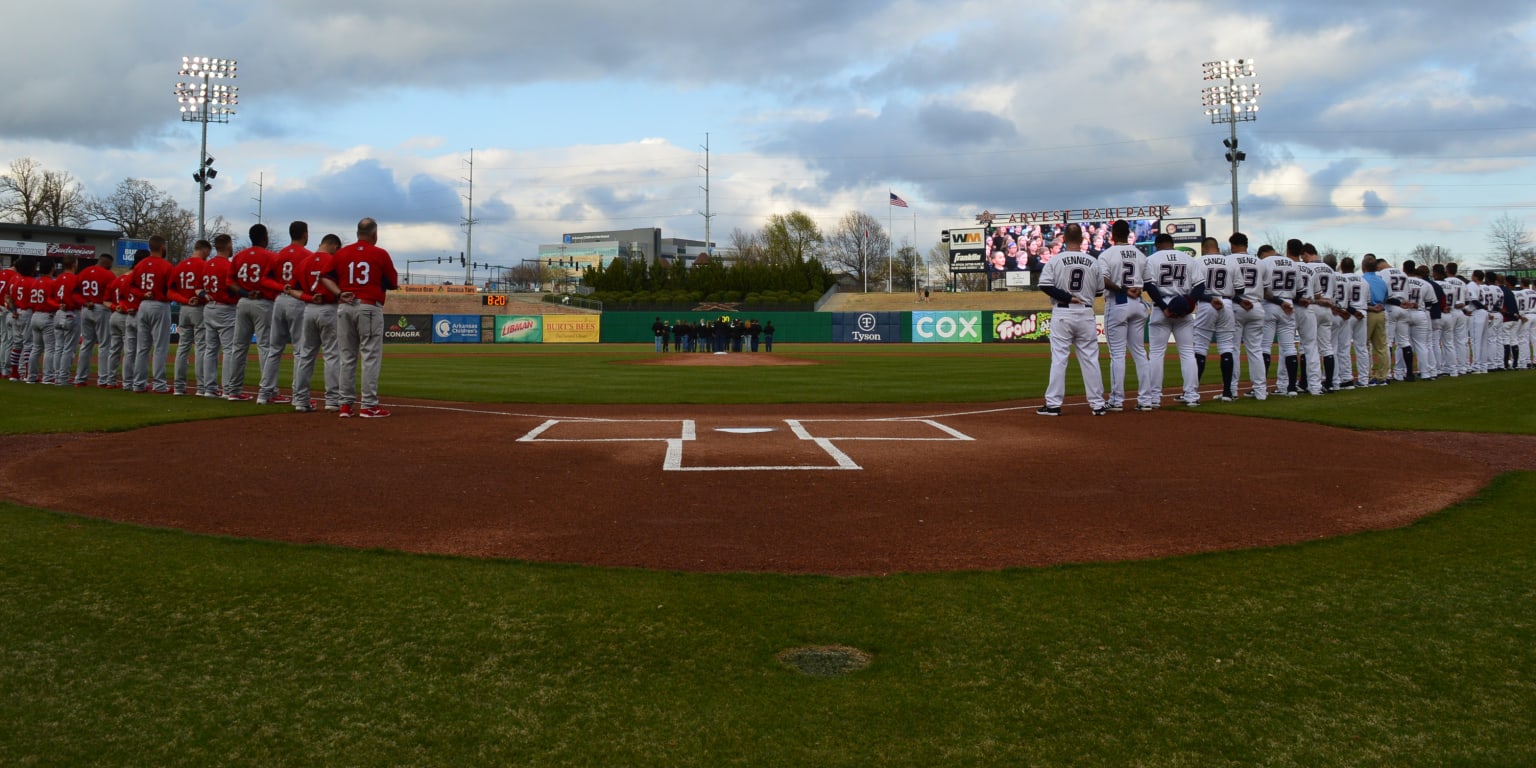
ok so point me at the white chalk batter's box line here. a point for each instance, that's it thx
(688, 432)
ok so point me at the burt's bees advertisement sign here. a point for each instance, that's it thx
(572, 329)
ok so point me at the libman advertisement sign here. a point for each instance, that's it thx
(946, 327)
(519, 329)
(572, 329)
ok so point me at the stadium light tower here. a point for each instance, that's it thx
(1231, 103)
(204, 101)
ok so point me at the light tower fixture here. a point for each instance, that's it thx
(205, 101)
(1232, 102)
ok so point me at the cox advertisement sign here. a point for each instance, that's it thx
(946, 327)
(867, 327)
(455, 329)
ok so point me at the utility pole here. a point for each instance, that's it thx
(469, 224)
(261, 179)
(709, 246)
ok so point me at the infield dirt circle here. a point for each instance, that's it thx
(835, 489)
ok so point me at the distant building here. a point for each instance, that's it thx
(18, 240)
(633, 244)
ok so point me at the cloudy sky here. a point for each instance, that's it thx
(1383, 125)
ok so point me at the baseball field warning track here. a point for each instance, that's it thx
(835, 489)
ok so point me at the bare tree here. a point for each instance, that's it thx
(64, 200)
(140, 209)
(1428, 253)
(1511, 243)
(860, 247)
(22, 192)
(748, 245)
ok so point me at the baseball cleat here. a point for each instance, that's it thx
(332, 408)
(373, 413)
(1099, 411)
(346, 412)
(1142, 407)
(239, 398)
(1290, 393)
(1046, 410)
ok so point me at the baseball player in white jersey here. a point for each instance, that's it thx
(1477, 322)
(1526, 297)
(1282, 283)
(1249, 313)
(1416, 355)
(1175, 281)
(1125, 317)
(1456, 300)
(1397, 333)
(1318, 354)
(1072, 279)
(1441, 322)
(1505, 309)
(1349, 335)
(1214, 318)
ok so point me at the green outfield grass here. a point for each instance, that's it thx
(125, 646)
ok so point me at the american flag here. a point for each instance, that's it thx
(897, 201)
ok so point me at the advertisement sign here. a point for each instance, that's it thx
(23, 248)
(455, 329)
(1021, 327)
(519, 329)
(1187, 234)
(866, 327)
(1031, 327)
(408, 329)
(78, 250)
(572, 329)
(946, 327)
(126, 249)
(967, 250)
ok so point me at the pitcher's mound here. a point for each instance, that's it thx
(731, 360)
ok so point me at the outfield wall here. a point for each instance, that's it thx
(920, 327)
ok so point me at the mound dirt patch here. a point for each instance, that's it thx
(835, 489)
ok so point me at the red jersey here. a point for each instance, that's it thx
(44, 297)
(7, 277)
(187, 280)
(93, 285)
(152, 278)
(124, 297)
(285, 266)
(316, 266)
(66, 291)
(367, 271)
(218, 277)
(21, 292)
(251, 268)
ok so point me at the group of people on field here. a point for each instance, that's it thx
(722, 334)
(1330, 326)
(327, 303)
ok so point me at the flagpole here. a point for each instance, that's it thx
(914, 251)
(890, 216)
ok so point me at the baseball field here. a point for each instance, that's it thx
(577, 556)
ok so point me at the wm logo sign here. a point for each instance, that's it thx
(966, 238)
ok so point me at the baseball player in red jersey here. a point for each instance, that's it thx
(219, 302)
(364, 271)
(66, 321)
(8, 277)
(45, 302)
(186, 283)
(95, 319)
(20, 302)
(315, 287)
(253, 315)
(123, 334)
(152, 281)
(287, 312)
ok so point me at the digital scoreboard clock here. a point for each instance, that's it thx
(493, 299)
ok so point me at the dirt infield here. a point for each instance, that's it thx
(835, 489)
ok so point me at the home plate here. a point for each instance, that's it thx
(744, 430)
